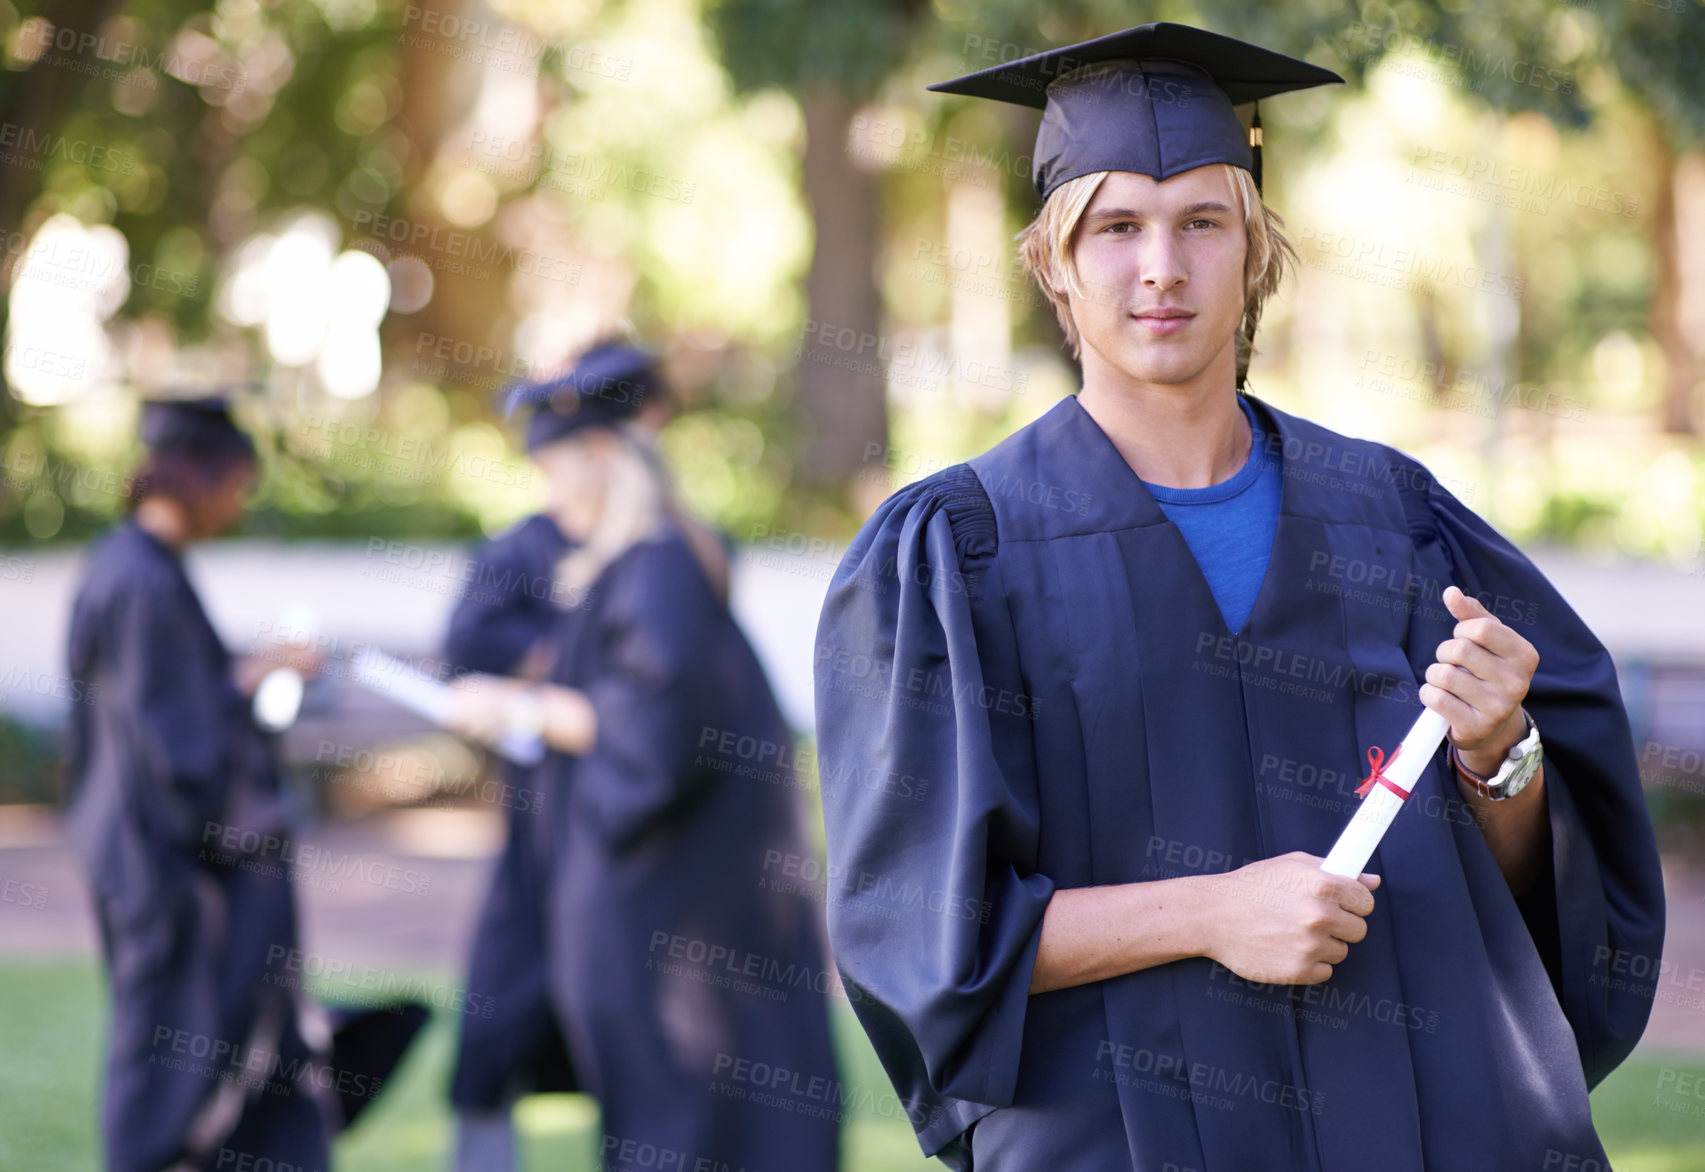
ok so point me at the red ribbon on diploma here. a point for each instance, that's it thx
(1377, 761)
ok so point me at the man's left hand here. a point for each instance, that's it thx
(1482, 674)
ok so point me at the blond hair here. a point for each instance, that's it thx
(1047, 244)
(635, 504)
(639, 502)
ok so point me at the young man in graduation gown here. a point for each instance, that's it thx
(1108, 684)
(175, 807)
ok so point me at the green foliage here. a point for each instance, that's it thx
(1656, 47)
(330, 114)
(851, 45)
(29, 763)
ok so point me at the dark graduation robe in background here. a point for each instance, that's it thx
(162, 749)
(693, 988)
(505, 612)
(1024, 683)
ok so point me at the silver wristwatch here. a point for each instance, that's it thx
(1514, 772)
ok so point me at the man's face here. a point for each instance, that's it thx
(1161, 266)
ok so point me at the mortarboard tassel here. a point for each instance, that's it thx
(1255, 145)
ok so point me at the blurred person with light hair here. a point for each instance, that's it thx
(501, 625)
(1161, 625)
(649, 839)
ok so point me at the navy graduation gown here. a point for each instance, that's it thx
(1024, 683)
(506, 610)
(162, 759)
(508, 604)
(693, 987)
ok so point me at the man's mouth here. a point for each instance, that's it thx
(1164, 321)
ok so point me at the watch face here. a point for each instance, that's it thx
(1518, 777)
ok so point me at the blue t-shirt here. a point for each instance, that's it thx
(1230, 526)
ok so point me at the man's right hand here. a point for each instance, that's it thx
(1284, 921)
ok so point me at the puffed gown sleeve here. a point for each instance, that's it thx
(1601, 915)
(928, 778)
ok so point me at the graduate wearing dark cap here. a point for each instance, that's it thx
(500, 626)
(173, 795)
(632, 834)
(1135, 658)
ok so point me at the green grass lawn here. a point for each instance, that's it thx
(1651, 1113)
(52, 1022)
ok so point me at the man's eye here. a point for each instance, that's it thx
(1118, 227)
(1204, 223)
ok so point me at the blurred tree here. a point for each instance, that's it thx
(1656, 48)
(184, 127)
(36, 99)
(356, 108)
(833, 58)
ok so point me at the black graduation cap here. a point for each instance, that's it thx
(1156, 100)
(609, 383)
(195, 427)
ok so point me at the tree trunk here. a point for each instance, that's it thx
(1676, 293)
(462, 316)
(841, 379)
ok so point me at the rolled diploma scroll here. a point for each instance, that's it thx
(1403, 769)
(419, 692)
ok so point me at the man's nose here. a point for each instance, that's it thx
(1162, 263)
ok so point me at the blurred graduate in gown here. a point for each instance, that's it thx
(502, 625)
(662, 956)
(176, 810)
